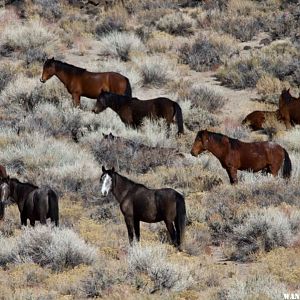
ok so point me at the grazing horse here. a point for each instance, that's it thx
(257, 118)
(289, 108)
(80, 82)
(132, 111)
(139, 203)
(34, 203)
(237, 155)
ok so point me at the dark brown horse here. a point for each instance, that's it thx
(132, 111)
(139, 203)
(256, 120)
(236, 155)
(80, 82)
(34, 203)
(289, 108)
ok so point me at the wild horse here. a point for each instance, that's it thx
(257, 119)
(132, 111)
(80, 82)
(237, 155)
(139, 203)
(34, 203)
(289, 109)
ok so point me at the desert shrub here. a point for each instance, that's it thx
(164, 275)
(7, 74)
(113, 21)
(155, 70)
(254, 287)
(207, 99)
(243, 28)
(215, 4)
(196, 118)
(290, 140)
(35, 55)
(279, 61)
(50, 247)
(177, 24)
(25, 37)
(205, 52)
(120, 45)
(264, 229)
(46, 160)
(237, 132)
(51, 10)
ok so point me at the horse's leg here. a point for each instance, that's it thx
(32, 222)
(137, 229)
(274, 169)
(171, 230)
(24, 220)
(129, 224)
(76, 99)
(232, 173)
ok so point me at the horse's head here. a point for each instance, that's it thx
(200, 143)
(4, 195)
(285, 95)
(106, 180)
(101, 103)
(48, 70)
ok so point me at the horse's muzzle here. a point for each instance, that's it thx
(193, 153)
(42, 81)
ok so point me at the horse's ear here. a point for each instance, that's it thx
(113, 169)
(52, 58)
(103, 169)
(104, 135)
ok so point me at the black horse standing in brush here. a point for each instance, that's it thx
(132, 111)
(34, 203)
(139, 203)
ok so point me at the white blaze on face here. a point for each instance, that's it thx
(106, 186)
(4, 191)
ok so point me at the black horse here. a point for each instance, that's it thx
(132, 111)
(34, 203)
(139, 203)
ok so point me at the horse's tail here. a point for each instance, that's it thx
(128, 91)
(180, 219)
(53, 207)
(179, 118)
(287, 165)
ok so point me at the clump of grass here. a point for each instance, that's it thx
(254, 287)
(155, 70)
(51, 10)
(205, 53)
(7, 74)
(164, 275)
(120, 45)
(49, 247)
(177, 24)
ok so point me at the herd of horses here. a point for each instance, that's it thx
(137, 202)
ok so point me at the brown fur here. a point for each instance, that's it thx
(80, 82)
(3, 173)
(237, 155)
(289, 109)
(257, 118)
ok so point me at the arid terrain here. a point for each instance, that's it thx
(220, 60)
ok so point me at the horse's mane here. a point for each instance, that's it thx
(69, 68)
(219, 136)
(120, 99)
(24, 183)
(130, 181)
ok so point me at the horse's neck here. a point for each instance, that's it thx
(215, 148)
(116, 104)
(21, 191)
(119, 190)
(63, 76)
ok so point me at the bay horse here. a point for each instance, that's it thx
(289, 108)
(34, 203)
(139, 203)
(237, 155)
(257, 118)
(80, 82)
(132, 111)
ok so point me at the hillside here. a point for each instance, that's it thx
(219, 60)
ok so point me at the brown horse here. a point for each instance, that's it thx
(80, 82)
(289, 108)
(257, 118)
(141, 204)
(132, 111)
(237, 155)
